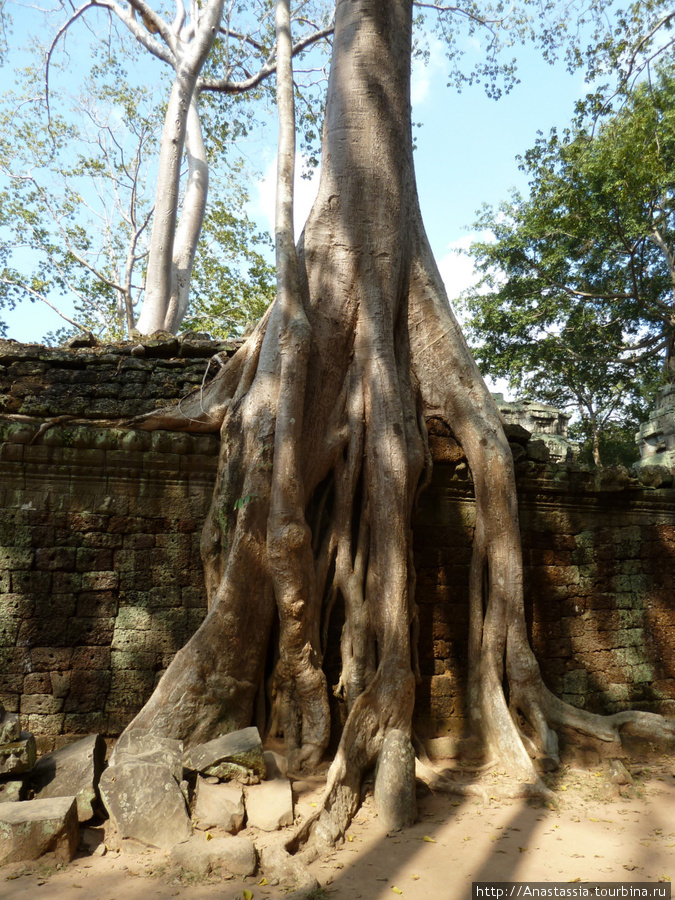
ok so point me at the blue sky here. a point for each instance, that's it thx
(466, 156)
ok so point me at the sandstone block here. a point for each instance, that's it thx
(236, 855)
(161, 751)
(395, 782)
(30, 830)
(238, 754)
(10, 727)
(145, 802)
(18, 756)
(275, 764)
(72, 771)
(219, 805)
(269, 805)
(11, 790)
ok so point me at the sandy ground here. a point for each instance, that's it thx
(590, 833)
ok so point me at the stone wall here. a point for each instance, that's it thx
(599, 566)
(101, 580)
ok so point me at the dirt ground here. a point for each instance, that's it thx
(594, 831)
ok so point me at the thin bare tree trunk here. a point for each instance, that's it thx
(159, 282)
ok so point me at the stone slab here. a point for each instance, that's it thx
(74, 770)
(145, 802)
(236, 855)
(269, 805)
(219, 805)
(18, 756)
(11, 790)
(238, 754)
(34, 828)
(160, 751)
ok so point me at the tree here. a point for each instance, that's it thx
(76, 200)
(185, 45)
(576, 299)
(323, 451)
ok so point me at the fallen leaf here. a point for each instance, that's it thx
(523, 849)
(415, 877)
(574, 880)
(247, 895)
(594, 820)
(629, 868)
(428, 839)
(263, 881)
(313, 804)
(209, 836)
(350, 837)
(396, 890)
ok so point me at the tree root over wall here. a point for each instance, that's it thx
(323, 452)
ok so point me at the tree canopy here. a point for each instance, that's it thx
(576, 296)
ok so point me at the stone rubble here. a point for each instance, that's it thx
(18, 756)
(269, 805)
(219, 805)
(237, 755)
(141, 790)
(74, 770)
(35, 828)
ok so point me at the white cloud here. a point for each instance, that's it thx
(305, 194)
(456, 268)
(425, 74)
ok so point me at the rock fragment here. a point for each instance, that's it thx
(34, 828)
(74, 770)
(219, 805)
(269, 805)
(237, 755)
(236, 855)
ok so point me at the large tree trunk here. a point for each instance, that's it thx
(322, 460)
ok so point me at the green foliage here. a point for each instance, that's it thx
(575, 301)
(233, 282)
(77, 179)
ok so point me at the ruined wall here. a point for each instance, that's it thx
(101, 580)
(599, 567)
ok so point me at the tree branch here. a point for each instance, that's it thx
(226, 86)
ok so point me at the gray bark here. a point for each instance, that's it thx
(324, 451)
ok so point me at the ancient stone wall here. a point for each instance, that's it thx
(101, 580)
(599, 567)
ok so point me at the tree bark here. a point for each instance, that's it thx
(163, 298)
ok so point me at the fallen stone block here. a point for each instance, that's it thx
(18, 756)
(11, 790)
(275, 764)
(34, 828)
(145, 802)
(161, 751)
(395, 796)
(219, 805)
(236, 855)
(269, 805)
(10, 727)
(73, 770)
(237, 755)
